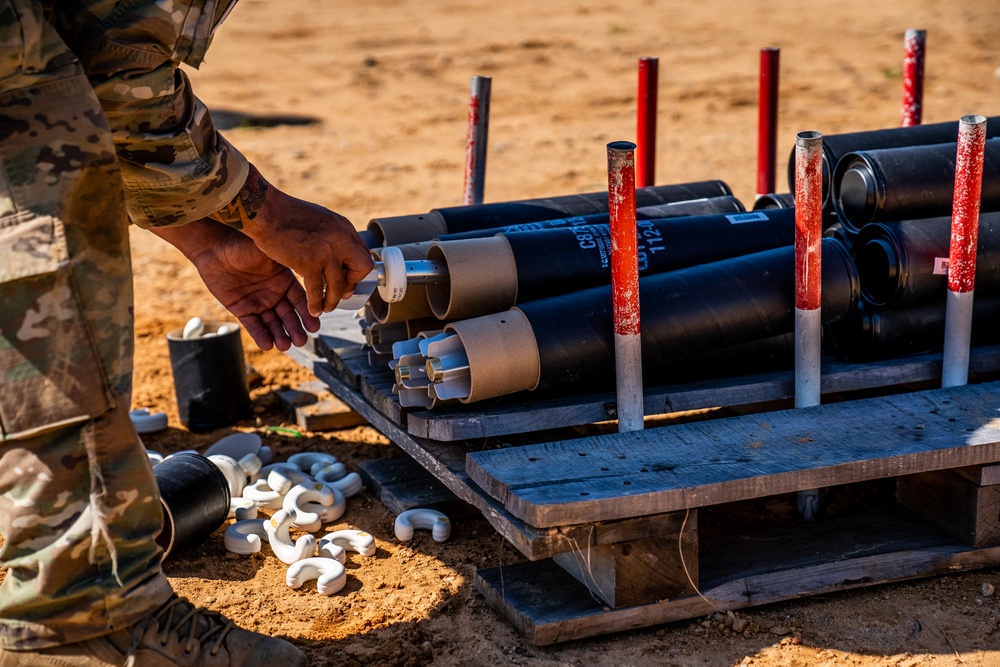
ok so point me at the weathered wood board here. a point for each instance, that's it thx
(548, 605)
(340, 342)
(707, 463)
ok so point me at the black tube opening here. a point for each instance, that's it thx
(855, 192)
(878, 270)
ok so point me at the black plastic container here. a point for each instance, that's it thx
(869, 334)
(195, 498)
(685, 312)
(398, 230)
(692, 207)
(210, 381)
(836, 146)
(774, 200)
(556, 261)
(905, 262)
(905, 183)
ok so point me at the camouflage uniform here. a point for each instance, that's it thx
(97, 125)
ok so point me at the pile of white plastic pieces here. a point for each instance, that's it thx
(306, 492)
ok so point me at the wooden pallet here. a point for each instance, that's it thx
(623, 530)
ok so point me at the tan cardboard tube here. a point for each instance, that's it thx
(424, 324)
(414, 305)
(482, 278)
(502, 352)
(408, 228)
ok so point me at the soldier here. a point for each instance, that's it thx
(98, 127)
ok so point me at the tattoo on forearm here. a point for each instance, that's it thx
(245, 206)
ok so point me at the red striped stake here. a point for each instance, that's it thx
(645, 170)
(914, 44)
(625, 284)
(767, 120)
(962, 254)
(808, 284)
(475, 141)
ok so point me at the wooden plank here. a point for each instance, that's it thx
(625, 574)
(402, 484)
(707, 463)
(313, 408)
(987, 475)
(377, 388)
(549, 606)
(965, 509)
(378, 472)
(446, 461)
(537, 413)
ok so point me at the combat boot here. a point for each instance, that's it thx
(176, 635)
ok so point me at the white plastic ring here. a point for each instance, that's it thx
(394, 270)
(283, 479)
(145, 421)
(193, 329)
(263, 495)
(424, 519)
(304, 461)
(278, 535)
(330, 575)
(329, 473)
(308, 500)
(356, 540)
(349, 485)
(244, 537)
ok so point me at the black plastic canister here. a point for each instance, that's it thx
(685, 312)
(836, 146)
(195, 498)
(209, 377)
(906, 261)
(906, 183)
(557, 261)
(678, 209)
(482, 216)
(869, 333)
(774, 200)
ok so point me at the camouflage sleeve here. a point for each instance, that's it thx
(177, 167)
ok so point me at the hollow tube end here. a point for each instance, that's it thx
(857, 195)
(621, 146)
(972, 120)
(879, 270)
(809, 139)
(401, 229)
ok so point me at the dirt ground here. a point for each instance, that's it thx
(361, 107)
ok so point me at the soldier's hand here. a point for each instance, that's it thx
(316, 243)
(264, 296)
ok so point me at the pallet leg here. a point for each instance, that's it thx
(962, 502)
(624, 574)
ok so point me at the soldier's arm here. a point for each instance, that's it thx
(177, 167)
(318, 244)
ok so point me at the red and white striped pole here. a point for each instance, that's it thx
(808, 284)
(767, 120)
(962, 254)
(475, 140)
(625, 284)
(645, 171)
(914, 46)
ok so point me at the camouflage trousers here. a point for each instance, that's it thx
(79, 507)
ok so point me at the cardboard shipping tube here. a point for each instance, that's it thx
(502, 353)
(482, 278)
(407, 228)
(414, 305)
(424, 324)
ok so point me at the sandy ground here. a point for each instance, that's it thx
(361, 107)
